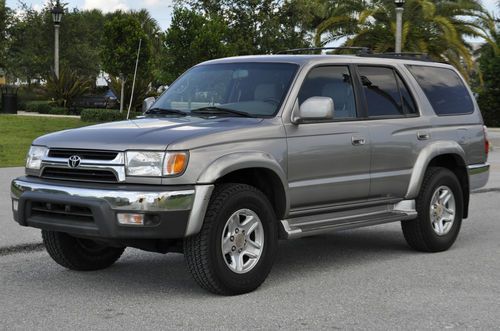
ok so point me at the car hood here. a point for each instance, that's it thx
(144, 134)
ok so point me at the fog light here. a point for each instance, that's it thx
(130, 219)
(15, 205)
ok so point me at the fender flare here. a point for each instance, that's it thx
(244, 160)
(425, 157)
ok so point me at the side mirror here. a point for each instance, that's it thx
(315, 109)
(147, 103)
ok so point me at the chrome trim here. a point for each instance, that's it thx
(122, 200)
(200, 205)
(478, 175)
(117, 165)
(350, 219)
(118, 160)
(118, 170)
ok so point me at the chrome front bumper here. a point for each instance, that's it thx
(478, 175)
(187, 205)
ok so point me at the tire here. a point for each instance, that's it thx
(232, 208)
(79, 254)
(426, 233)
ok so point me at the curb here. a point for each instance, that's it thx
(23, 113)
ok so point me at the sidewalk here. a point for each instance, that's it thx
(24, 113)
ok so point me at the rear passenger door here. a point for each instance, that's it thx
(329, 161)
(397, 131)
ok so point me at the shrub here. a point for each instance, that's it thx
(101, 115)
(489, 102)
(68, 86)
(42, 107)
(75, 111)
(105, 115)
(58, 111)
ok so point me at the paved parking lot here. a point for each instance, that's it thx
(360, 279)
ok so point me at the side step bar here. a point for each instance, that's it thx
(316, 224)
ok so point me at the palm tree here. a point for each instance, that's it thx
(437, 28)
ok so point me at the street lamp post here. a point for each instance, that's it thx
(57, 13)
(399, 23)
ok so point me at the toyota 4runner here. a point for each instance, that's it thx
(241, 152)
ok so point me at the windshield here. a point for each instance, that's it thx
(233, 89)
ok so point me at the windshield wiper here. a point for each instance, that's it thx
(214, 110)
(160, 111)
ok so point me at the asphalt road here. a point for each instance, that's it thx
(360, 279)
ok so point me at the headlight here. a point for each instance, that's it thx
(155, 164)
(35, 156)
(146, 164)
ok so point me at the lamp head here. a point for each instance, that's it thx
(57, 13)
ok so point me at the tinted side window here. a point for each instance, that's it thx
(409, 106)
(334, 82)
(444, 89)
(381, 91)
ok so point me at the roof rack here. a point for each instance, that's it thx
(360, 50)
(403, 56)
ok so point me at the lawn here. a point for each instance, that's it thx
(17, 133)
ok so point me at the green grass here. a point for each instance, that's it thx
(17, 133)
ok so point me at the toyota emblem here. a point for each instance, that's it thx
(74, 161)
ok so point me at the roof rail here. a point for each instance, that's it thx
(360, 50)
(404, 56)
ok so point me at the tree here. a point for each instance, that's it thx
(4, 14)
(80, 41)
(438, 28)
(489, 65)
(192, 39)
(28, 56)
(122, 33)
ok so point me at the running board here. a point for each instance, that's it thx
(343, 220)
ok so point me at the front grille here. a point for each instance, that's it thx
(83, 154)
(90, 175)
(61, 211)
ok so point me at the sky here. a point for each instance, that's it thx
(161, 10)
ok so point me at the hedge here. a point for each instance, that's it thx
(58, 111)
(42, 107)
(104, 115)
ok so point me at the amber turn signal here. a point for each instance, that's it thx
(175, 163)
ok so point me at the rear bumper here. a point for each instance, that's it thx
(478, 175)
(91, 209)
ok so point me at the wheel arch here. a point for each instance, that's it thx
(257, 169)
(449, 155)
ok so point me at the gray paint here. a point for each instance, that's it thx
(322, 165)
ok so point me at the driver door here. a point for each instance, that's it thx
(329, 161)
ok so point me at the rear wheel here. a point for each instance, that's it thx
(79, 254)
(440, 210)
(237, 245)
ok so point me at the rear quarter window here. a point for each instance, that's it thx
(444, 88)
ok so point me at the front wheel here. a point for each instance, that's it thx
(237, 245)
(79, 254)
(440, 209)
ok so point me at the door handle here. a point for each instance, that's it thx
(358, 141)
(423, 135)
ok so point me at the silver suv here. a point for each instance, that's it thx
(241, 152)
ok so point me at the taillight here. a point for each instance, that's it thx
(486, 141)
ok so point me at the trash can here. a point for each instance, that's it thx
(9, 99)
